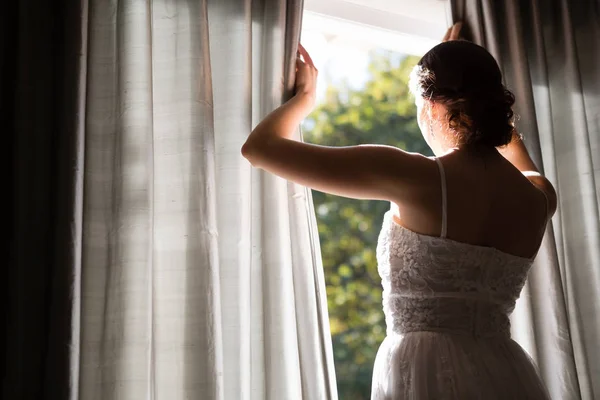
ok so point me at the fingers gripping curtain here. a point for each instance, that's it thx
(549, 52)
(200, 277)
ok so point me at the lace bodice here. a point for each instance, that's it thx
(438, 284)
(433, 285)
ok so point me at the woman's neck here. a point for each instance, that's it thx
(470, 149)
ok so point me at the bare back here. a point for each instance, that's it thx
(489, 203)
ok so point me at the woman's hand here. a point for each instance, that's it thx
(284, 121)
(306, 79)
(453, 32)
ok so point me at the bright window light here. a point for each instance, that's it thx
(364, 50)
(405, 26)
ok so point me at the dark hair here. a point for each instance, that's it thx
(466, 79)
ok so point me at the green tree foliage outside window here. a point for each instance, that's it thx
(382, 112)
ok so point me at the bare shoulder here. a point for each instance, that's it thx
(418, 176)
(418, 189)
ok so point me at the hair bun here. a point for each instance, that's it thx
(491, 118)
(466, 79)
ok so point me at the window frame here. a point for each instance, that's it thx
(398, 32)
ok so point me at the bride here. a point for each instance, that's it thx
(462, 231)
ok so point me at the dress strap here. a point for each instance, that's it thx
(444, 198)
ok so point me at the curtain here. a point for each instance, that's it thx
(149, 259)
(549, 52)
(42, 81)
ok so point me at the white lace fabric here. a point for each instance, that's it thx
(446, 305)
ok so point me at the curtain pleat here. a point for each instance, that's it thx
(42, 93)
(273, 287)
(201, 277)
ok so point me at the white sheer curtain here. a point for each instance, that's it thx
(200, 277)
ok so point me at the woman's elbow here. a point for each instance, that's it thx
(249, 152)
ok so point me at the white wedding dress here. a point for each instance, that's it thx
(446, 306)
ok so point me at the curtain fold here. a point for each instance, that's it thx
(274, 291)
(42, 90)
(150, 306)
(549, 52)
(149, 259)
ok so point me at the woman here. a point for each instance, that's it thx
(462, 232)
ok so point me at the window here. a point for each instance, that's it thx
(364, 54)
